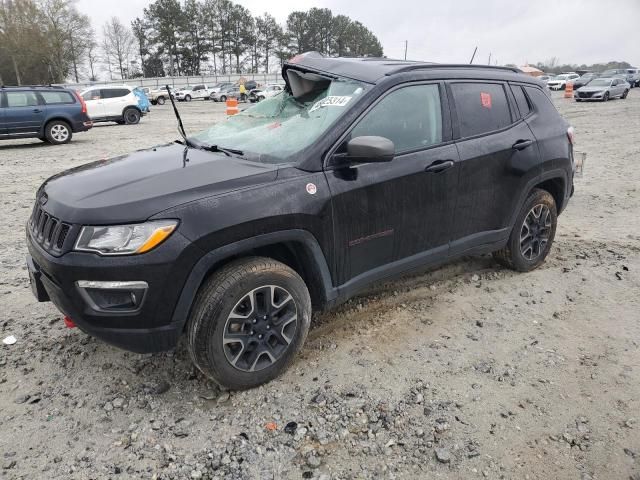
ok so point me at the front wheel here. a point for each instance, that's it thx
(223, 98)
(187, 98)
(248, 322)
(160, 101)
(58, 132)
(532, 235)
(605, 97)
(624, 95)
(131, 116)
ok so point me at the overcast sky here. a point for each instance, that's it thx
(513, 31)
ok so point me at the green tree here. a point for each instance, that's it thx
(165, 19)
(269, 34)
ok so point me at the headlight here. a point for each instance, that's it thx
(124, 239)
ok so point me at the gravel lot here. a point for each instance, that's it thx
(469, 371)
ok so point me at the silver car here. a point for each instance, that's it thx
(602, 89)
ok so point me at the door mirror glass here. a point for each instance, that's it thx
(370, 149)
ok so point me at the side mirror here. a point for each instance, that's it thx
(370, 149)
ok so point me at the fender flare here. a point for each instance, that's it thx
(557, 173)
(210, 259)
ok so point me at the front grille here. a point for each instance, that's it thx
(48, 231)
(585, 94)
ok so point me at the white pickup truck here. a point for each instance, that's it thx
(197, 91)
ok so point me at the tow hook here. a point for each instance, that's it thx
(69, 323)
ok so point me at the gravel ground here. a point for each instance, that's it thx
(469, 371)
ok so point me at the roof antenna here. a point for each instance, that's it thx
(473, 56)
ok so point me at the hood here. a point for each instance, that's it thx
(589, 88)
(134, 187)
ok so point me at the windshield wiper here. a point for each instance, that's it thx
(227, 151)
(187, 142)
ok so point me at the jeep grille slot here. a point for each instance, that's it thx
(48, 231)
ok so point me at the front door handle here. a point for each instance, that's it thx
(439, 166)
(36, 110)
(522, 144)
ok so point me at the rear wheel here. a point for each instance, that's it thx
(223, 98)
(532, 235)
(58, 132)
(187, 98)
(248, 322)
(160, 100)
(131, 116)
(624, 95)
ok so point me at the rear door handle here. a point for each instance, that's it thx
(522, 144)
(439, 166)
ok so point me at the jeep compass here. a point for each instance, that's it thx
(360, 170)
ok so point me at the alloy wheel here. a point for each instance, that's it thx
(260, 328)
(59, 133)
(535, 232)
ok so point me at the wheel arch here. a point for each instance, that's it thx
(553, 181)
(297, 249)
(131, 106)
(54, 118)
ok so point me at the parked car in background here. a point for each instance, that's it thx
(633, 77)
(230, 91)
(113, 103)
(559, 82)
(143, 100)
(268, 91)
(584, 79)
(220, 85)
(51, 114)
(248, 85)
(200, 91)
(360, 171)
(603, 89)
(544, 78)
(158, 96)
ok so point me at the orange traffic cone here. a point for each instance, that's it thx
(568, 90)
(232, 106)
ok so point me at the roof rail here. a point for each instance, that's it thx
(31, 86)
(419, 66)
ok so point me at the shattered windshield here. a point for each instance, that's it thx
(275, 129)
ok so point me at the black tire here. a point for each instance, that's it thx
(260, 98)
(131, 116)
(605, 97)
(234, 363)
(154, 102)
(515, 255)
(223, 98)
(187, 98)
(58, 132)
(160, 100)
(624, 95)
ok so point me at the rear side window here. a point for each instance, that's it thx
(21, 99)
(91, 95)
(541, 101)
(521, 100)
(411, 117)
(114, 92)
(54, 98)
(481, 107)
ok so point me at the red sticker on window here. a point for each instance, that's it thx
(485, 99)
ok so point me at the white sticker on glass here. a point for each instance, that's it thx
(331, 101)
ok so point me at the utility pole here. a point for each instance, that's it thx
(406, 45)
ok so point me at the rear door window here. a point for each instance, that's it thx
(21, 99)
(114, 92)
(91, 95)
(521, 100)
(411, 117)
(56, 98)
(481, 107)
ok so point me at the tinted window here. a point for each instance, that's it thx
(114, 92)
(521, 100)
(481, 107)
(52, 98)
(541, 101)
(410, 117)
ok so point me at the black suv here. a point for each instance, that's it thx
(362, 169)
(52, 114)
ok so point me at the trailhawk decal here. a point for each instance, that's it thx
(332, 101)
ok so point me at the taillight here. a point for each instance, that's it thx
(571, 135)
(83, 104)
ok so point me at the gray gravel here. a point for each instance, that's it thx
(469, 371)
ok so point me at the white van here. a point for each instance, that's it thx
(113, 103)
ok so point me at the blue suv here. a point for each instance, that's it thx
(51, 114)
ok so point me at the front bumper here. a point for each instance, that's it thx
(144, 330)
